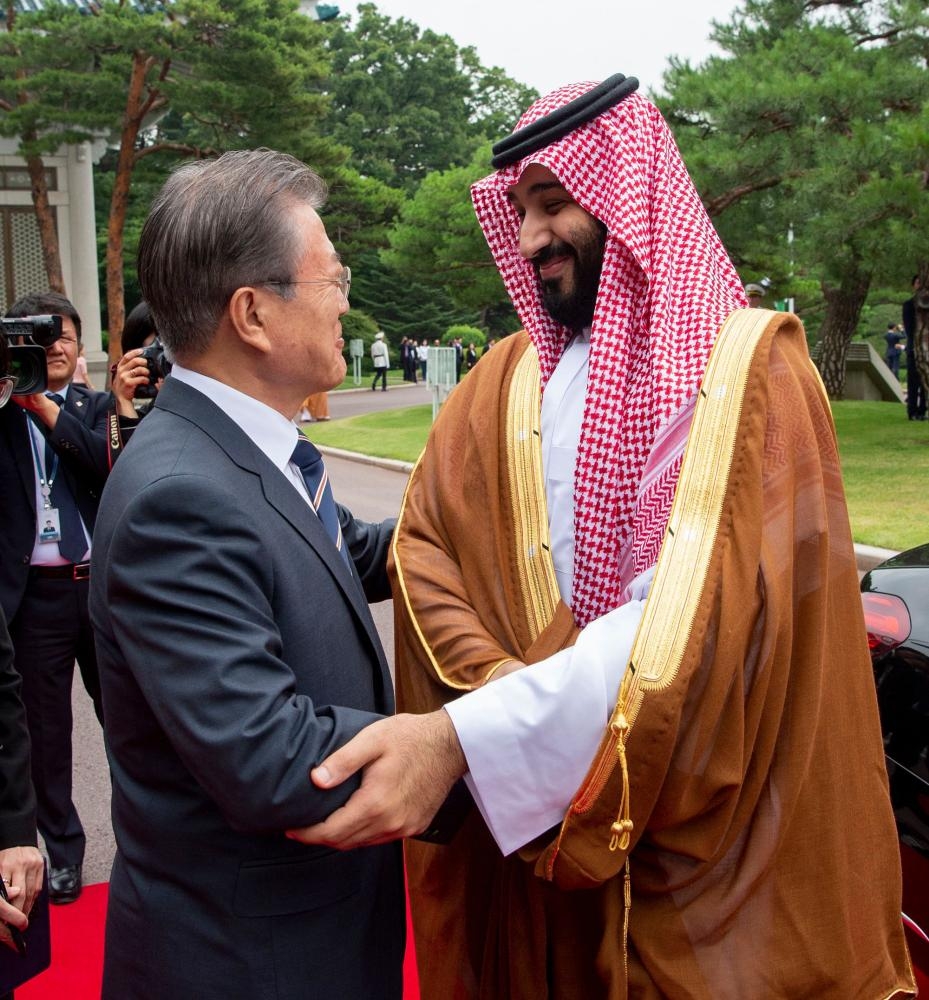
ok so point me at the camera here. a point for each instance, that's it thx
(158, 367)
(28, 337)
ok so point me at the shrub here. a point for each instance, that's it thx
(468, 334)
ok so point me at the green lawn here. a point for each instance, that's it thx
(885, 460)
(398, 434)
(885, 463)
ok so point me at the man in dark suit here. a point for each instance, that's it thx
(53, 453)
(235, 642)
(915, 390)
(21, 866)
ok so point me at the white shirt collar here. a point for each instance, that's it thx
(271, 432)
(63, 392)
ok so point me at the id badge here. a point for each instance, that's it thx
(49, 525)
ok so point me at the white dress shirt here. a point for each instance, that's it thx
(530, 736)
(45, 553)
(270, 431)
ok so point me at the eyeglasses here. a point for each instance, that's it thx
(62, 340)
(344, 281)
(7, 384)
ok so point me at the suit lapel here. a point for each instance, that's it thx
(78, 405)
(16, 428)
(187, 402)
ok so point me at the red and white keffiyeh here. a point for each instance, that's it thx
(666, 287)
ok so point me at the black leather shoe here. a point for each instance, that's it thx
(64, 884)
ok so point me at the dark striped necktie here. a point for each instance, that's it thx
(310, 463)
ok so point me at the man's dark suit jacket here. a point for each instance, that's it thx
(236, 651)
(17, 799)
(80, 442)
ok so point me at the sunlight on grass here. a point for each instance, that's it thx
(885, 462)
(885, 465)
(398, 434)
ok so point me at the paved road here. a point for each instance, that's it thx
(358, 401)
(372, 493)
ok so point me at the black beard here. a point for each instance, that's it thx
(575, 308)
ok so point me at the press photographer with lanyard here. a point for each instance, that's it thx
(53, 451)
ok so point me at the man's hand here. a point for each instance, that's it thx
(45, 409)
(410, 763)
(22, 869)
(131, 373)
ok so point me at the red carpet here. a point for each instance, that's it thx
(77, 950)
(77, 953)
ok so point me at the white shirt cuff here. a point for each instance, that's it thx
(530, 736)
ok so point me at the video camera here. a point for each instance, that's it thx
(28, 337)
(158, 367)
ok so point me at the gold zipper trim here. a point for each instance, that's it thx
(528, 508)
(680, 575)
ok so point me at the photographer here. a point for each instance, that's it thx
(138, 375)
(53, 454)
(21, 864)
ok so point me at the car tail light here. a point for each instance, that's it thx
(887, 620)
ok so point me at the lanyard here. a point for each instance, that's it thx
(45, 485)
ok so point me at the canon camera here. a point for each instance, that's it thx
(158, 368)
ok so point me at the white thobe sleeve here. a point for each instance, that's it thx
(530, 736)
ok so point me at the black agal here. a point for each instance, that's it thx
(563, 120)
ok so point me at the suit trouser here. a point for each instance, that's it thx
(915, 393)
(380, 373)
(49, 631)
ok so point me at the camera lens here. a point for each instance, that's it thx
(27, 366)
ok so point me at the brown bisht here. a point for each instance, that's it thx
(734, 836)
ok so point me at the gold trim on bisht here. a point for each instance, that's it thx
(684, 559)
(690, 538)
(536, 571)
(398, 564)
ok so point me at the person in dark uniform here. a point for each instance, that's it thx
(53, 453)
(915, 390)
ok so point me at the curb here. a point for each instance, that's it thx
(394, 464)
(367, 388)
(866, 556)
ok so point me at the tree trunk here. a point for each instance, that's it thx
(843, 310)
(119, 201)
(48, 235)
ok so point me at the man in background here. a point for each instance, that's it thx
(652, 660)
(892, 338)
(380, 357)
(915, 390)
(229, 597)
(53, 453)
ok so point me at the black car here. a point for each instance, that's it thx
(895, 595)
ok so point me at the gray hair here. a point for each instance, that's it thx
(215, 226)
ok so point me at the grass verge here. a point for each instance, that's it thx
(885, 462)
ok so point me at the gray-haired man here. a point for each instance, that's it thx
(229, 598)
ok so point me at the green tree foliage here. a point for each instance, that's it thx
(409, 102)
(190, 78)
(452, 255)
(813, 123)
(402, 307)
(359, 212)
(467, 334)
